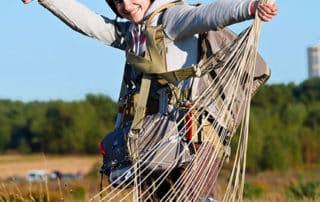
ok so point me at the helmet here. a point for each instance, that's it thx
(113, 7)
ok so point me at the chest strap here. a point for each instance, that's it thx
(153, 62)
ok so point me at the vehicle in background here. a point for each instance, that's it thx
(37, 175)
(71, 176)
(56, 175)
(41, 175)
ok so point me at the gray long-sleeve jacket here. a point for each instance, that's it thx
(181, 24)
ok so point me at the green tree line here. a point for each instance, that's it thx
(284, 128)
(56, 126)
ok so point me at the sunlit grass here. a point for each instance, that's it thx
(262, 187)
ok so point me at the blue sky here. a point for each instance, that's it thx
(42, 59)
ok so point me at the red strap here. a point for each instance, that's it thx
(188, 120)
(102, 150)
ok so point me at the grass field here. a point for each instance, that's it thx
(19, 165)
(15, 165)
(301, 184)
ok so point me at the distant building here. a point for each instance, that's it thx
(314, 60)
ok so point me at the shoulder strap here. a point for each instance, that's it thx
(160, 9)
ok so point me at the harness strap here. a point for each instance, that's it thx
(119, 119)
(154, 61)
(158, 10)
(163, 100)
(142, 102)
(181, 74)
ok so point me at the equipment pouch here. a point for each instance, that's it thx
(159, 146)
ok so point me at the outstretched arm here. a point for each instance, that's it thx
(83, 20)
(185, 20)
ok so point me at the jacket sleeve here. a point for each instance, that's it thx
(85, 21)
(185, 20)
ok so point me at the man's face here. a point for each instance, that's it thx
(133, 10)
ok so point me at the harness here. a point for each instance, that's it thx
(153, 65)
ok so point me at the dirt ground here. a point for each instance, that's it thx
(19, 165)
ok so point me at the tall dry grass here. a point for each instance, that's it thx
(274, 185)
